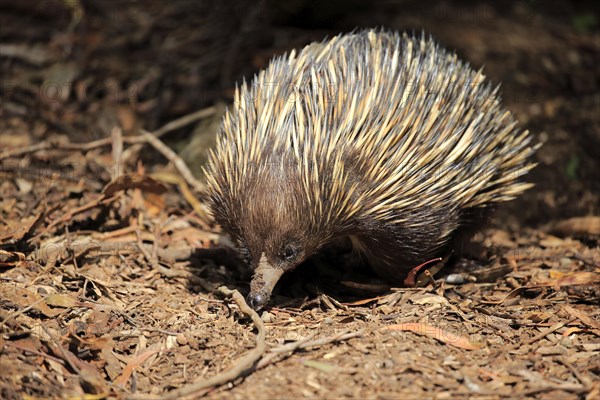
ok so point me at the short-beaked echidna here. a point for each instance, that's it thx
(379, 136)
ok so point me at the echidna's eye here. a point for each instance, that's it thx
(288, 253)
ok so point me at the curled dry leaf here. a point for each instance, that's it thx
(589, 225)
(440, 334)
(11, 258)
(134, 181)
(414, 278)
(578, 278)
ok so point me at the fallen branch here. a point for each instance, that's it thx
(171, 126)
(175, 159)
(52, 145)
(136, 140)
(304, 344)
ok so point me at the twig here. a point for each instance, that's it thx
(168, 127)
(547, 331)
(567, 387)
(303, 344)
(51, 145)
(185, 120)
(117, 147)
(175, 159)
(171, 126)
(24, 150)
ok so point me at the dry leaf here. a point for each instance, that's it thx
(24, 298)
(61, 300)
(578, 278)
(319, 365)
(134, 181)
(583, 317)
(589, 225)
(440, 334)
(428, 299)
(134, 363)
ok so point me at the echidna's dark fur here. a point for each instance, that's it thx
(382, 137)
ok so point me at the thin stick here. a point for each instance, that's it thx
(547, 331)
(117, 146)
(168, 127)
(304, 344)
(185, 120)
(175, 159)
(173, 125)
(50, 145)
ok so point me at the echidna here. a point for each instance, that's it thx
(378, 136)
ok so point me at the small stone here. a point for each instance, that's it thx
(182, 339)
(267, 317)
(180, 359)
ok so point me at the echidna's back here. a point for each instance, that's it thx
(423, 124)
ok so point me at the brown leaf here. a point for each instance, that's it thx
(589, 225)
(583, 317)
(440, 334)
(134, 363)
(11, 258)
(61, 300)
(134, 181)
(24, 298)
(16, 230)
(578, 278)
(87, 371)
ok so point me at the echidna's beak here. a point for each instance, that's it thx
(262, 284)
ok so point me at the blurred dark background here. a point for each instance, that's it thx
(75, 69)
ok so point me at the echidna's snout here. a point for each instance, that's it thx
(264, 280)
